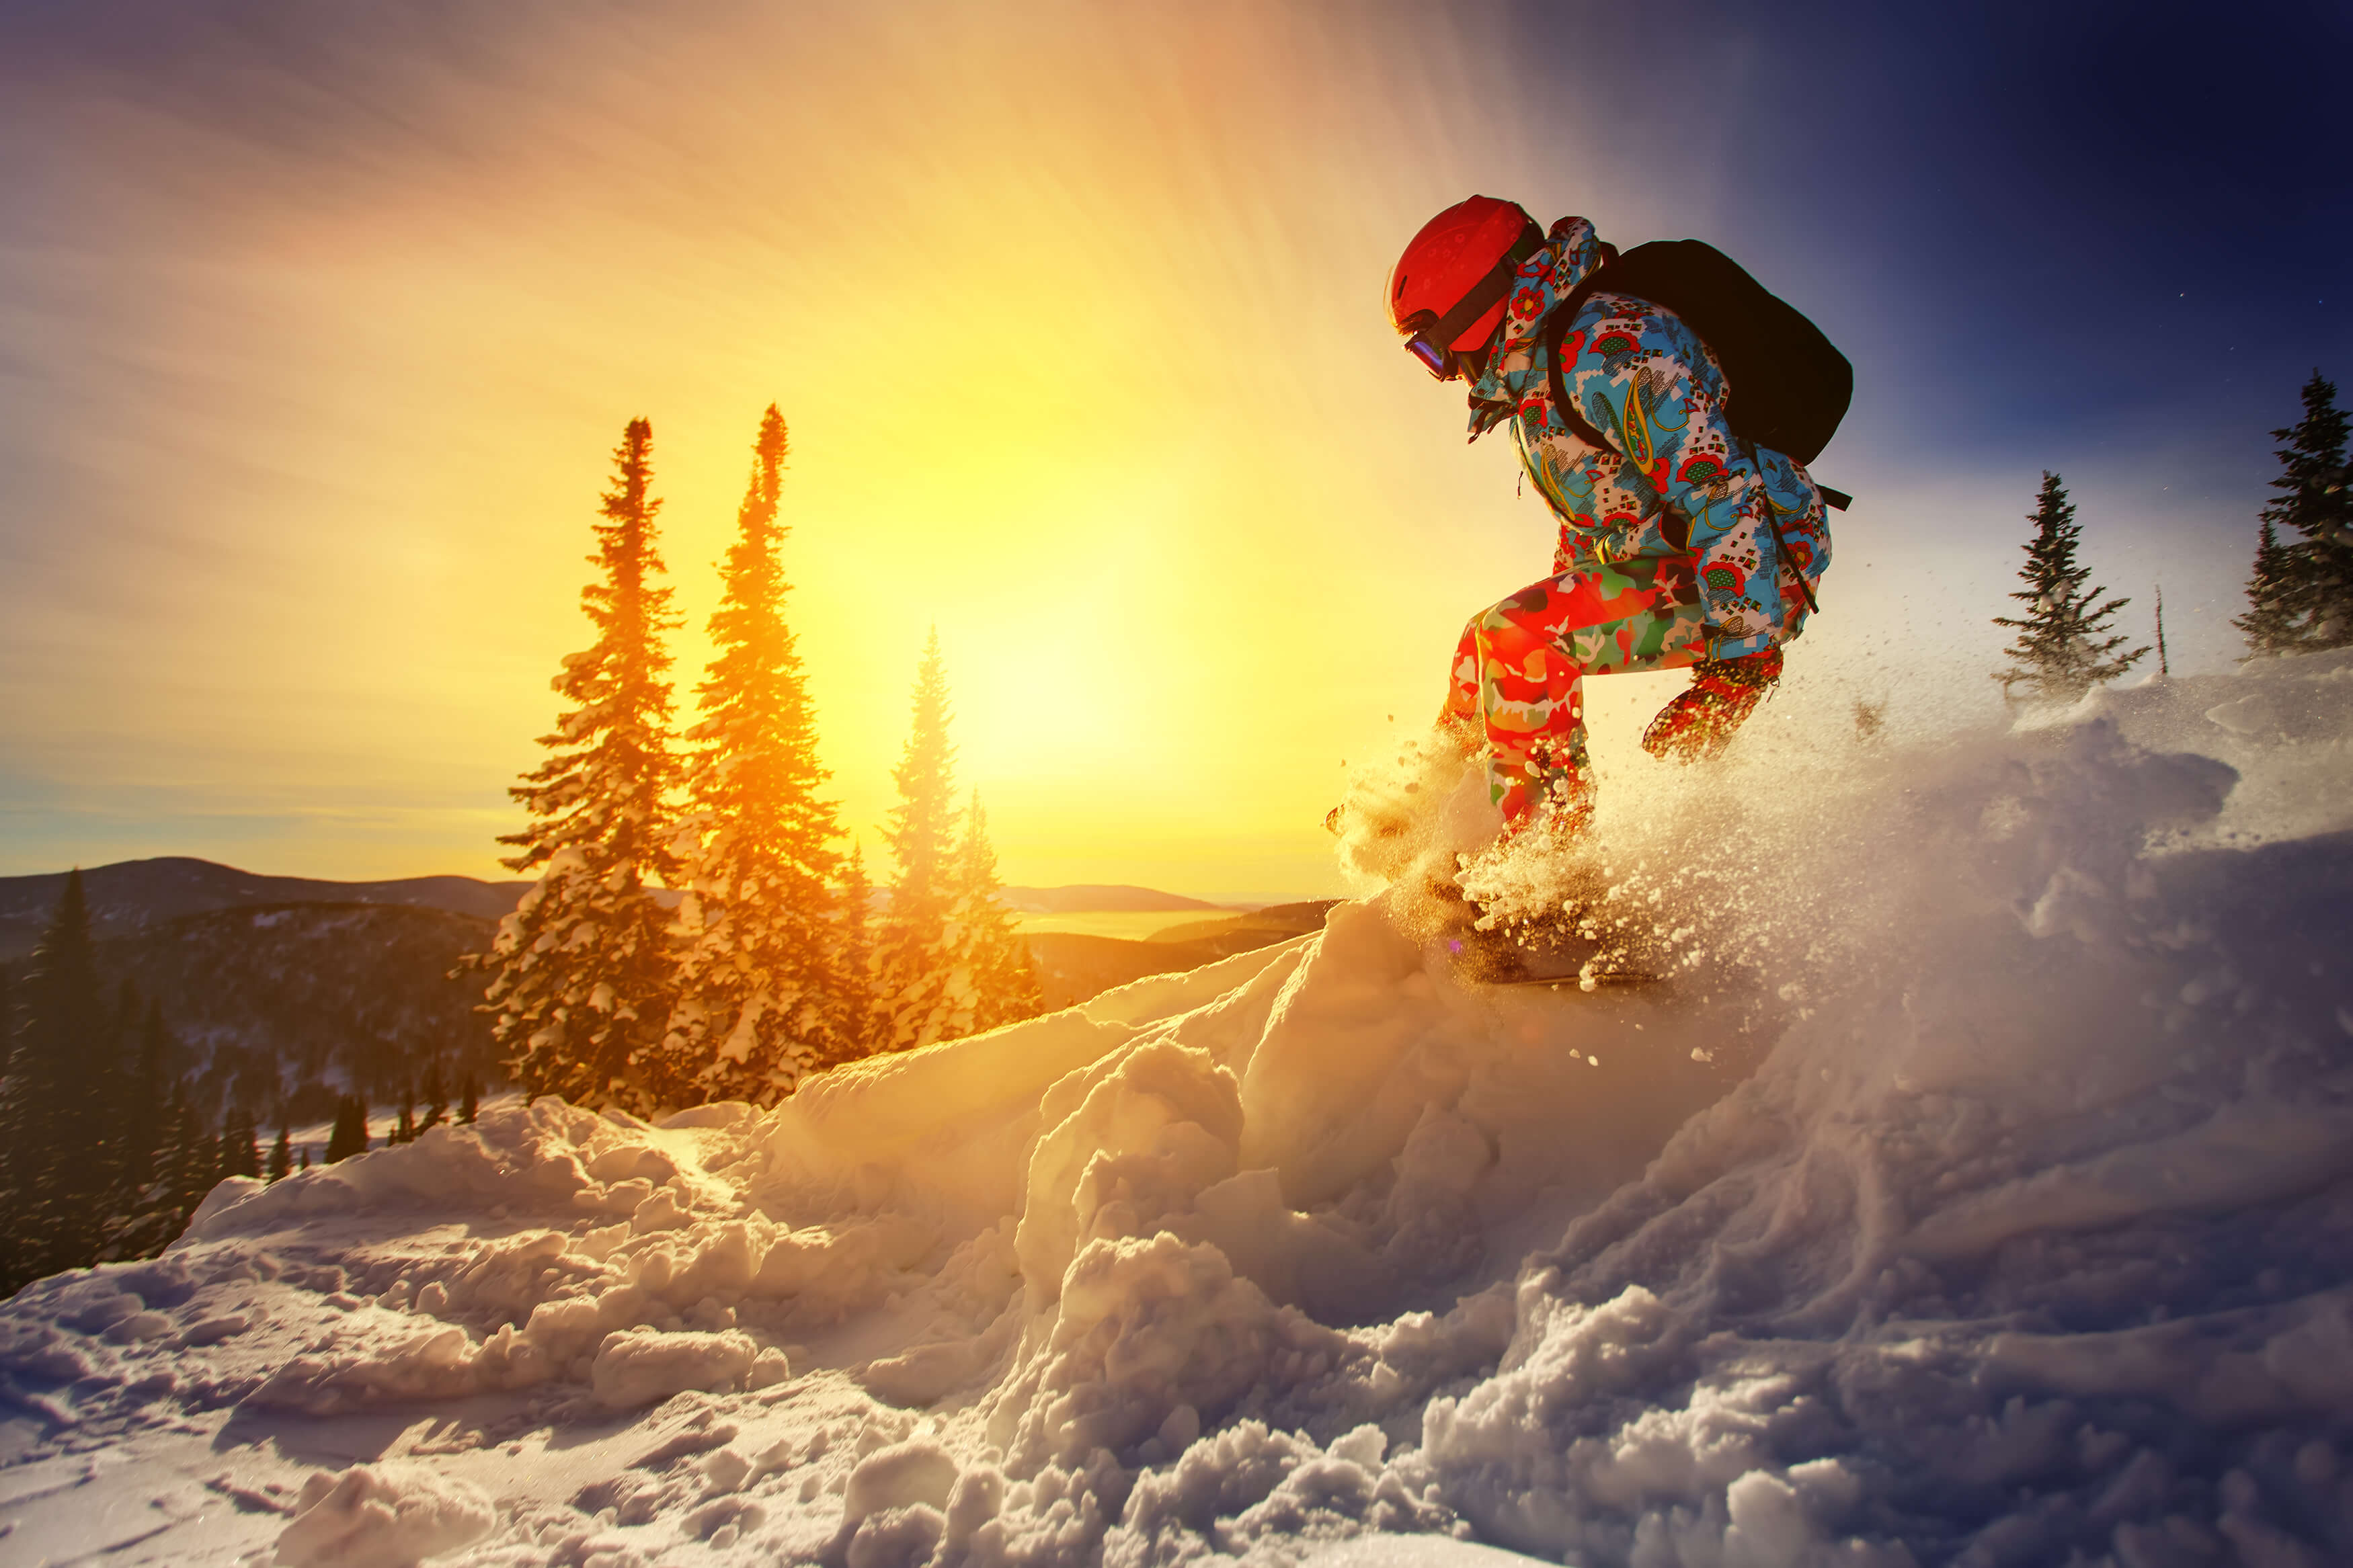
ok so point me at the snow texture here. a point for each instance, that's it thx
(1976, 1188)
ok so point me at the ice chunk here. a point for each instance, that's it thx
(641, 1366)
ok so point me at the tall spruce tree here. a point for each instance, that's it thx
(987, 960)
(912, 1004)
(2301, 592)
(755, 1010)
(580, 992)
(57, 1106)
(2060, 652)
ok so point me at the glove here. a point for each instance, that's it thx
(1701, 719)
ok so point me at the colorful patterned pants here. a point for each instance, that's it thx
(1520, 670)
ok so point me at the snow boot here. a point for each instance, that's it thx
(1700, 722)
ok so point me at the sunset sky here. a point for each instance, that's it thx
(319, 321)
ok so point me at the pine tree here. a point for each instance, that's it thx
(437, 1099)
(580, 992)
(2058, 653)
(349, 1136)
(159, 1210)
(854, 1023)
(150, 1087)
(988, 959)
(64, 1158)
(756, 977)
(282, 1156)
(2269, 625)
(910, 961)
(2300, 594)
(16, 1241)
(239, 1151)
(143, 1215)
(197, 1168)
(469, 1102)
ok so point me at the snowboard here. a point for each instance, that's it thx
(1577, 949)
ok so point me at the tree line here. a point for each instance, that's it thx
(771, 961)
(103, 1156)
(2299, 595)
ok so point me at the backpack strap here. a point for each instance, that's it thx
(1555, 333)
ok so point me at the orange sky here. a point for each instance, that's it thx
(1073, 313)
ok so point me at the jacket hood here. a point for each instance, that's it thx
(1515, 372)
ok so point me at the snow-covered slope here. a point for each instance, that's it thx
(1979, 1189)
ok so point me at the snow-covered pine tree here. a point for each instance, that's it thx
(57, 1104)
(2310, 578)
(282, 1156)
(582, 969)
(851, 1030)
(755, 1010)
(986, 955)
(911, 1004)
(2058, 653)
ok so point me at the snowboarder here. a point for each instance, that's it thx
(1681, 544)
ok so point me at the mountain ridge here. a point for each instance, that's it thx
(128, 897)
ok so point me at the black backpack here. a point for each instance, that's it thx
(1786, 387)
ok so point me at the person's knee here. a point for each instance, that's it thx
(1498, 628)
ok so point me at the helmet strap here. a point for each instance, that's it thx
(1484, 293)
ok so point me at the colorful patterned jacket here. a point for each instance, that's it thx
(1675, 484)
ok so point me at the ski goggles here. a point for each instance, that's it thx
(1431, 336)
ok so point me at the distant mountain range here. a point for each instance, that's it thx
(283, 992)
(134, 896)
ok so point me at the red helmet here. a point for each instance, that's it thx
(1446, 291)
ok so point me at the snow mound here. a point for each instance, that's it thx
(381, 1517)
(1976, 1187)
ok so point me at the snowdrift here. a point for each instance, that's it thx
(1976, 1188)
